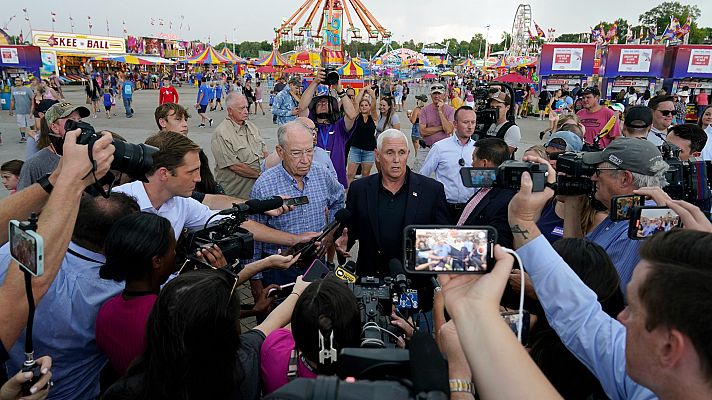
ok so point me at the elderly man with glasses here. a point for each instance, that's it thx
(626, 165)
(297, 175)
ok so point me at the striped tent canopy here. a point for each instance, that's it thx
(350, 69)
(234, 58)
(274, 59)
(305, 58)
(468, 63)
(502, 63)
(208, 56)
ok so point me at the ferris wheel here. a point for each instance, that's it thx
(521, 28)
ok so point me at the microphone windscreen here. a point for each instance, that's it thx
(395, 267)
(258, 206)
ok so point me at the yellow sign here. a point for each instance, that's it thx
(76, 43)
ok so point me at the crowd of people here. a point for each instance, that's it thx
(118, 316)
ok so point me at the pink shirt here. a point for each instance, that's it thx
(429, 117)
(594, 123)
(274, 361)
(701, 99)
(121, 329)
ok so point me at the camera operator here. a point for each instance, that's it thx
(333, 130)
(326, 317)
(637, 122)
(622, 167)
(503, 128)
(194, 347)
(297, 175)
(448, 156)
(45, 161)
(661, 342)
(171, 182)
(382, 204)
(663, 107)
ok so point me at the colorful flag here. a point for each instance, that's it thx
(539, 31)
(685, 29)
(531, 37)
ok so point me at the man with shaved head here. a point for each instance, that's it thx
(238, 149)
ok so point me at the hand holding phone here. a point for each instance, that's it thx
(27, 248)
(649, 220)
(281, 292)
(449, 249)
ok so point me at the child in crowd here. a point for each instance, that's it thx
(107, 101)
(10, 172)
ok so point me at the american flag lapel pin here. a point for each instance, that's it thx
(415, 194)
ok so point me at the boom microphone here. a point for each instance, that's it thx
(255, 206)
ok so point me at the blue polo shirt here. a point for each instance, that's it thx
(218, 91)
(205, 91)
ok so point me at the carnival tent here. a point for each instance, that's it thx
(468, 63)
(501, 63)
(266, 69)
(305, 58)
(296, 70)
(350, 69)
(448, 73)
(274, 58)
(208, 56)
(234, 58)
(136, 59)
(430, 76)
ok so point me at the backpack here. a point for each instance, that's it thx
(504, 128)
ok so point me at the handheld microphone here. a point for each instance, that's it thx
(398, 274)
(347, 272)
(255, 206)
(340, 218)
(308, 249)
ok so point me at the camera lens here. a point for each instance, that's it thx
(133, 159)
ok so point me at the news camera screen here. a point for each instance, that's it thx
(455, 250)
(23, 248)
(654, 220)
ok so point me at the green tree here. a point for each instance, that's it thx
(571, 38)
(660, 15)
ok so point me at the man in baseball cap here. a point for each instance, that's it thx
(437, 119)
(625, 165)
(637, 122)
(46, 160)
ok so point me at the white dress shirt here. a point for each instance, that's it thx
(179, 211)
(707, 150)
(443, 160)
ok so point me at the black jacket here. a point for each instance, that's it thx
(492, 211)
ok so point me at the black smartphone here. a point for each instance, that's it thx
(648, 220)
(282, 292)
(478, 177)
(296, 201)
(449, 249)
(622, 206)
(317, 270)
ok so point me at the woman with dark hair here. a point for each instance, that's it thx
(568, 375)
(194, 348)
(326, 313)
(140, 249)
(704, 121)
(388, 118)
(363, 139)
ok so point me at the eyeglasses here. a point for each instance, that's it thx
(297, 154)
(666, 113)
(598, 170)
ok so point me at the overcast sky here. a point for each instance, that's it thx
(255, 20)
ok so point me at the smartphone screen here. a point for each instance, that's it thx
(26, 249)
(623, 206)
(449, 249)
(478, 177)
(296, 201)
(317, 270)
(651, 220)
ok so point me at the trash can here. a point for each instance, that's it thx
(5, 100)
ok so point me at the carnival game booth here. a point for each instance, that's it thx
(73, 51)
(631, 65)
(17, 61)
(688, 66)
(562, 63)
(352, 75)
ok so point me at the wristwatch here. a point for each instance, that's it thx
(46, 184)
(342, 93)
(461, 385)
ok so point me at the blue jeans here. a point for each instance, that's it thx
(359, 156)
(127, 106)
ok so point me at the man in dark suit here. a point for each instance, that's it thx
(489, 205)
(383, 204)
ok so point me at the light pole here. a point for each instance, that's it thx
(487, 42)
(234, 33)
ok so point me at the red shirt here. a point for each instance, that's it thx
(167, 94)
(594, 123)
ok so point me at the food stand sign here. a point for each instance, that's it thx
(75, 43)
(635, 60)
(9, 55)
(567, 59)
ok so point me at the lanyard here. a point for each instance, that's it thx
(83, 257)
(324, 134)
